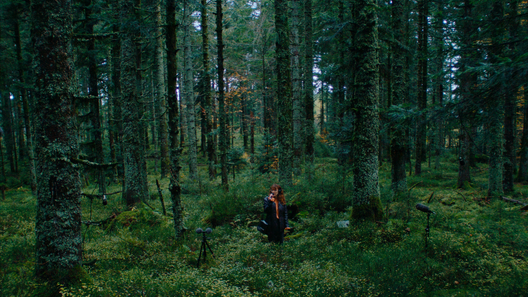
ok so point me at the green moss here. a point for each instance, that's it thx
(373, 211)
(53, 280)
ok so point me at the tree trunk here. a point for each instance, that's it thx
(163, 136)
(296, 88)
(509, 141)
(463, 161)
(132, 109)
(116, 125)
(439, 83)
(308, 88)
(188, 92)
(398, 143)
(467, 83)
(221, 96)
(366, 199)
(284, 92)
(58, 220)
(175, 149)
(22, 150)
(422, 86)
(496, 111)
(208, 106)
(522, 176)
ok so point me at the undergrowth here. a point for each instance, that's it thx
(474, 247)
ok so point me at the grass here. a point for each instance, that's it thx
(475, 248)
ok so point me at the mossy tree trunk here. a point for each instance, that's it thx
(116, 123)
(522, 176)
(467, 82)
(495, 109)
(284, 94)
(163, 136)
(464, 176)
(175, 149)
(223, 138)
(422, 78)
(438, 93)
(398, 143)
(132, 107)
(509, 141)
(208, 106)
(308, 88)
(188, 91)
(366, 200)
(298, 122)
(58, 220)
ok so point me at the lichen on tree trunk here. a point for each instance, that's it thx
(58, 220)
(366, 200)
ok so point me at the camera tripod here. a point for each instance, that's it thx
(204, 249)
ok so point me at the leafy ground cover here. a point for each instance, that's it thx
(475, 247)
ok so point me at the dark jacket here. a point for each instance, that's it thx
(275, 226)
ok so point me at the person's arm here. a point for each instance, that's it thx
(267, 203)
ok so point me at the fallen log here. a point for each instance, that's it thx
(516, 202)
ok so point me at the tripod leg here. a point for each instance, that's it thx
(210, 249)
(199, 257)
(205, 251)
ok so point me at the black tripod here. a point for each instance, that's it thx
(425, 209)
(203, 246)
(427, 230)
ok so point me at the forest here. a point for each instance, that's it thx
(139, 139)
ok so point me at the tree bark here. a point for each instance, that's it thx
(223, 145)
(366, 199)
(298, 123)
(522, 176)
(175, 149)
(208, 106)
(495, 111)
(58, 220)
(284, 93)
(308, 88)
(163, 136)
(188, 92)
(422, 85)
(398, 143)
(132, 108)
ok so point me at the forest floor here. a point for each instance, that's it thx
(475, 247)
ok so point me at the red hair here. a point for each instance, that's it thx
(280, 196)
